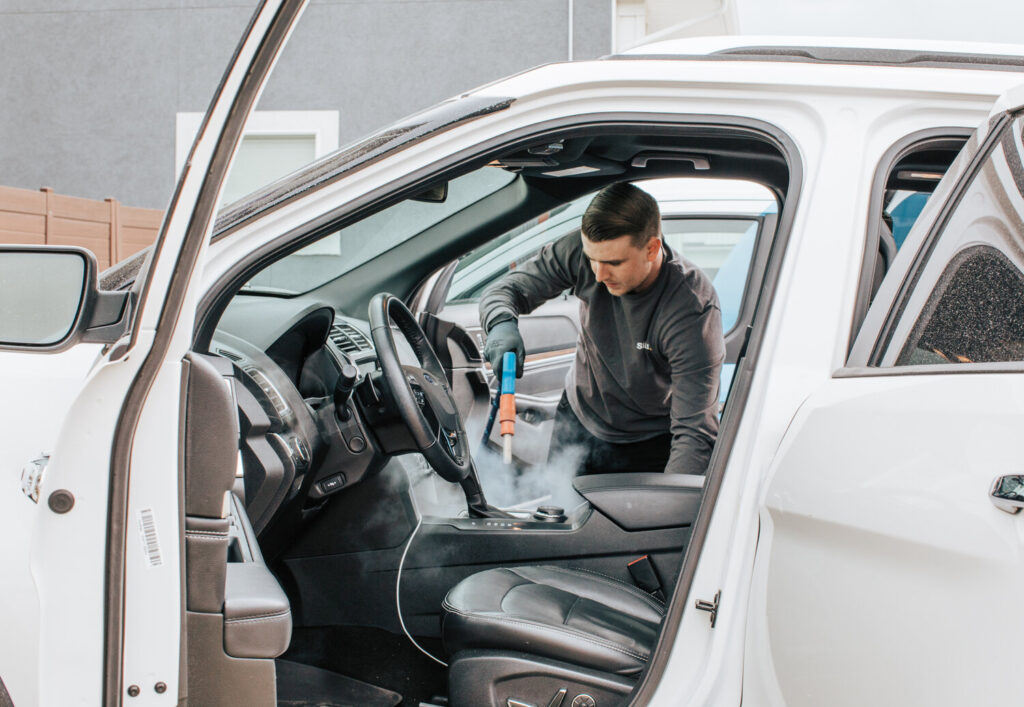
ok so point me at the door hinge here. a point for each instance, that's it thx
(711, 606)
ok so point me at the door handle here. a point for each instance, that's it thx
(1007, 493)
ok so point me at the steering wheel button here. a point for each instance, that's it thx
(357, 444)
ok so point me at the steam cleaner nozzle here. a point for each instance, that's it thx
(507, 407)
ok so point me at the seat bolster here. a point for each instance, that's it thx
(257, 616)
(569, 615)
(628, 599)
(463, 631)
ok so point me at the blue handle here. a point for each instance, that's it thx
(508, 374)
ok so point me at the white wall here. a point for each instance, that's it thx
(979, 20)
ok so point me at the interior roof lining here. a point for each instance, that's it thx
(526, 198)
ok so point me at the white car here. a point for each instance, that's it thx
(266, 457)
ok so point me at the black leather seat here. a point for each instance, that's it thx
(574, 616)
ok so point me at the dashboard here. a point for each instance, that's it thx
(287, 355)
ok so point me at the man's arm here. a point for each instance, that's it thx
(540, 278)
(695, 349)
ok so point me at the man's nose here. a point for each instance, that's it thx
(600, 272)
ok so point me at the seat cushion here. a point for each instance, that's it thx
(571, 615)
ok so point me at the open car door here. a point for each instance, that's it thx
(888, 532)
(103, 591)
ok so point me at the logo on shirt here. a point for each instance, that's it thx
(643, 346)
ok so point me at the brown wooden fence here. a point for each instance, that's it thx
(109, 229)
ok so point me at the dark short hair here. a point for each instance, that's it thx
(622, 210)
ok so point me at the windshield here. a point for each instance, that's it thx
(348, 248)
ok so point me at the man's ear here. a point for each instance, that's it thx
(653, 248)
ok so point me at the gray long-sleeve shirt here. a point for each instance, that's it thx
(646, 363)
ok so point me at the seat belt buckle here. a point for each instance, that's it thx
(646, 577)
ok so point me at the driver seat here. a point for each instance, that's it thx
(578, 629)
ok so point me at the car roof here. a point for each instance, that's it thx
(838, 50)
(780, 63)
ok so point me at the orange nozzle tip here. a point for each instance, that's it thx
(508, 428)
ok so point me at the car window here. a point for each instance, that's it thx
(902, 210)
(968, 303)
(906, 177)
(348, 248)
(712, 223)
(722, 248)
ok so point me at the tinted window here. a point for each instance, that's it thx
(968, 302)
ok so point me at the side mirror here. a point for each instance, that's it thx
(49, 300)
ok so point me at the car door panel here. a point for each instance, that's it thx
(884, 571)
(880, 553)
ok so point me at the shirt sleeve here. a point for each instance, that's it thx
(546, 275)
(695, 349)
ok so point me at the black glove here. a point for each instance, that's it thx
(503, 337)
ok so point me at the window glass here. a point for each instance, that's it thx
(902, 211)
(712, 223)
(722, 248)
(968, 303)
(350, 247)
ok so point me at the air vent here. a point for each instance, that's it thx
(349, 339)
(280, 406)
(229, 355)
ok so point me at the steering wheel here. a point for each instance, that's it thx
(420, 394)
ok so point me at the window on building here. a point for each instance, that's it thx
(275, 143)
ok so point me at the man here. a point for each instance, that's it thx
(642, 393)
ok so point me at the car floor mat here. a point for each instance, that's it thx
(299, 685)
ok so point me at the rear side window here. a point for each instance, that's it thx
(906, 177)
(967, 305)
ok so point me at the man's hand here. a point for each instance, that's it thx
(503, 337)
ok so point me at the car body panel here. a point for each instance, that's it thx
(881, 557)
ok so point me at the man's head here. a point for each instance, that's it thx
(622, 238)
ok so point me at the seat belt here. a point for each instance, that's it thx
(646, 577)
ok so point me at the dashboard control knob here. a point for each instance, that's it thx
(357, 444)
(549, 514)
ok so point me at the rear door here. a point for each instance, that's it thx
(886, 573)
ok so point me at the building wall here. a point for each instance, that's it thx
(93, 89)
